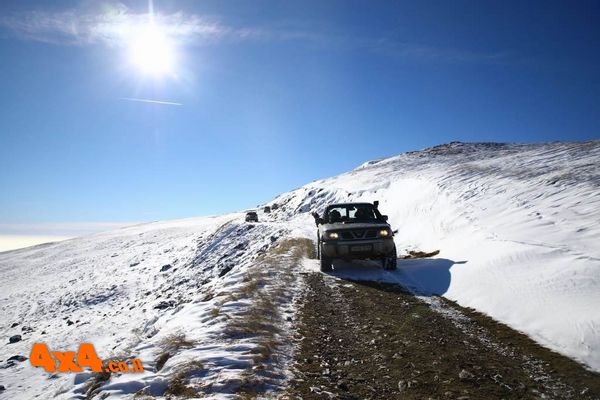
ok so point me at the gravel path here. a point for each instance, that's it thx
(375, 341)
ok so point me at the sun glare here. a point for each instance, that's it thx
(151, 52)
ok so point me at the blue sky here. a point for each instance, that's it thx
(270, 95)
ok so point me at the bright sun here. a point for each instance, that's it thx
(151, 52)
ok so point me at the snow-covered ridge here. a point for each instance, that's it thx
(519, 223)
(524, 219)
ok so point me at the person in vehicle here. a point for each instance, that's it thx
(335, 216)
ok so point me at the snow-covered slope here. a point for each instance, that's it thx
(146, 290)
(517, 227)
(520, 225)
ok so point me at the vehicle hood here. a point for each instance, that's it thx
(330, 227)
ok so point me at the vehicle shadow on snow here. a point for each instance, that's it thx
(426, 277)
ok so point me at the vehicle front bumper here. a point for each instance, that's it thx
(357, 249)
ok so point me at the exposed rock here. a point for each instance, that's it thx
(465, 375)
(166, 267)
(402, 386)
(164, 304)
(225, 270)
(18, 358)
(14, 339)
(420, 254)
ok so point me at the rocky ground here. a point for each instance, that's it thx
(362, 340)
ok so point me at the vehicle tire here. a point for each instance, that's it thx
(390, 263)
(326, 264)
(325, 261)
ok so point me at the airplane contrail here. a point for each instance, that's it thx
(169, 103)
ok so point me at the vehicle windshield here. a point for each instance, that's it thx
(352, 213)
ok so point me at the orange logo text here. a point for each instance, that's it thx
(86, 357)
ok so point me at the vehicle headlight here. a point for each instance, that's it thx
(384, 232)
(332, 235)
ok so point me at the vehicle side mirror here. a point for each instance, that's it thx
(318, 220)
(385, 217)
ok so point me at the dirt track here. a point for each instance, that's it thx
(375, 341)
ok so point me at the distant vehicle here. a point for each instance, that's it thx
(251, 216)
(267, 209)
(353, 231)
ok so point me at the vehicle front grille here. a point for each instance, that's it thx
(359, 234)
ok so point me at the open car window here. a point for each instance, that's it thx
(352, 213)
(363, 213)
(337, 214)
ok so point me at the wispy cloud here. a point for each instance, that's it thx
(429, 53)
(112, 23)
(168, 103)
